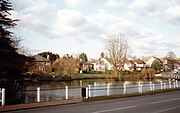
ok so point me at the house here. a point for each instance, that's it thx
(170, 64)
(86, 67)
(139, 64)
(129, 65)
(151, 60)
(132, 65)
(103, 64)
(40, 64)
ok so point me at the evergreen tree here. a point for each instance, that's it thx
(11, 63)
(83, 57)
(102, 55)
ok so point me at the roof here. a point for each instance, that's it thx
(139, 61)
(129, 61)
(39, 58)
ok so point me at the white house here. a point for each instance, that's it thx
(102, 64)
(151, 60)
(131, 65)
(139, 64)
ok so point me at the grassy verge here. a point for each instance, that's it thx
(129, 95)
(94, 76)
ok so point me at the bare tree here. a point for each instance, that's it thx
(117, 49)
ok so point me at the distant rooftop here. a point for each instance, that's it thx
(39, 58)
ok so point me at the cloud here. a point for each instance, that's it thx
(162, 9)
(172, 13)
(140, 6)
(77, 3)
(87, 22)
(114, 3)
(70, 18)
(153, 45)
(31, 6)
(73, 24)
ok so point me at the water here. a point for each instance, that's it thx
(51, 91)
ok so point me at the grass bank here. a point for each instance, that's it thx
(98, 98)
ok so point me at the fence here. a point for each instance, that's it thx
(41, 94)
(2, 96)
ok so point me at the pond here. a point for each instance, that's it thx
(50, 91)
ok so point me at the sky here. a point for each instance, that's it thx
(151, 27)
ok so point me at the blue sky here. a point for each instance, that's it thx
(151, 27)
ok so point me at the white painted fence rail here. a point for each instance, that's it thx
(2, 96)
(94, 90)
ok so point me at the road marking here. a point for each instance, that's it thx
(103, 111)
(165, 101)
(167, 109)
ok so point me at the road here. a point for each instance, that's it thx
(160, 103)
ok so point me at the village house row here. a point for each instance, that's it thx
(103, 64)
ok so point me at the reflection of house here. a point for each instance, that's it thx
(102, 64)
(41, 64)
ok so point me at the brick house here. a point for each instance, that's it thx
(40, 64)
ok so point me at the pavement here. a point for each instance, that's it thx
(8, 108)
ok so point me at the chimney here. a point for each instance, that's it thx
(48, 57)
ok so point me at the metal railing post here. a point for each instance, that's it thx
(161, 85)
(150, 85)
(177, 85)
(153, 87)
(89, 87)
(38, 94)
(174, 84)
(124, 89)
(66, 92)
(3, 97)
(139, 87)
(170, 83)
(108, 89)
(164, 85)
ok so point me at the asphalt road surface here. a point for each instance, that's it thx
(160, 103)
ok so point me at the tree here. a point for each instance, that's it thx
(83, 57)
(52, 56)
(12, 63)
(66, 66)
(156, 65)
(102, 55)
(117, 49)
(148, 73)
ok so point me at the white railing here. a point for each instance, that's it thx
(2, 96)
(94, 90)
